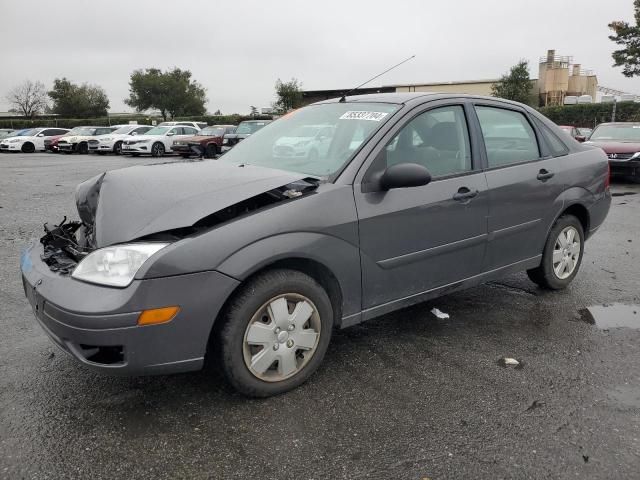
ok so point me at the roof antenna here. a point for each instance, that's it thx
(344, 96)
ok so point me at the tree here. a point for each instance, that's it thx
(628, 36)
(254, 111)
(515, 85)
(78, 101)
(29, 98)
(217, 112)
(288, 95)
(173, 93)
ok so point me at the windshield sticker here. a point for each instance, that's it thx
(372, 116)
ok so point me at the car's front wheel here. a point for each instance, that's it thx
(28, 147)
(83, 148)
(275, 333)
(117, 148)
(562, 255)
(211, 151)
(157, 150)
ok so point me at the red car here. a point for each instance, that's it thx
(573, 132)
(207, 142)
(51, 143)
(621, 142)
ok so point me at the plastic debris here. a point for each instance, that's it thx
(507, 362)
(511, 361)
(441, 315)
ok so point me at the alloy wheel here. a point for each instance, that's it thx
(566, 252)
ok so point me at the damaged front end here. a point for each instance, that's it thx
(62, 250)
(110, 216)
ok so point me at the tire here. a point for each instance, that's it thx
(288, 362)
(28, 147)
(82, 148)
(117, 148)
(554, 277)
(157, 150)
(211, 151)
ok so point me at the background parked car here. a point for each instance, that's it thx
(6, 132)
(198, 125)
(29, 141)
(207, 142)
(621, 142)
(51, 143)
(308, 141)
(76, 141)
(585, 132)
(245, 129)
(112, 142)
(573, 132)
(157, 141)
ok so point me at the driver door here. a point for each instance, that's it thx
(413, 240)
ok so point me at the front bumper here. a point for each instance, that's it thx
(10, 147)
(66, 147)
(101, 147)
(142, 148)
(628, 168)
(98, 325)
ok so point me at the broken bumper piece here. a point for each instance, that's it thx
(98, 325)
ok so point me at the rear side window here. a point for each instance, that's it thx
(508, 136)
(557, 147)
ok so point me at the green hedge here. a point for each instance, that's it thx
(20, 122)
(591, 114)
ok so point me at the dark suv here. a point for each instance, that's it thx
(207, 142)
(254, 259)
(243, 130)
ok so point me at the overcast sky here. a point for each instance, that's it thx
(237, 50)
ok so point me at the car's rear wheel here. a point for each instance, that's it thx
(28, 147)
(211, 151)
(275, 333)
(562, 255)
(83, 148)
(117, 148)
(157, 150)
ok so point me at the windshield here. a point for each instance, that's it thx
(27, 133)
(249, 127)
(157, 131)
(82, 131)
(125, 130)
(340, 129)
(212, 132)
(616, 133)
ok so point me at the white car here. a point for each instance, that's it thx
(76, 141)
(157, 141)
(198, 125)
(309, 142)
(29, 141)
(112, 142)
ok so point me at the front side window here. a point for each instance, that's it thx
(437, 139)
(158, 131)
(316, 140)
(508, 136)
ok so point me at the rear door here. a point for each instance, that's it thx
(524, 185)
(413, 240)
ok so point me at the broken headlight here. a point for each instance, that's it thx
(117, 265)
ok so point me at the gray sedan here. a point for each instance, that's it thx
(251, 261)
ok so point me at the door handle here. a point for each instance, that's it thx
(544, 175)
(464, 194)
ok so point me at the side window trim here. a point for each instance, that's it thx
(476, 165)
(543, 152)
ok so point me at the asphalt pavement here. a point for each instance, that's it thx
(405, 396)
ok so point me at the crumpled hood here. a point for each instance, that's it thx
(133, 202)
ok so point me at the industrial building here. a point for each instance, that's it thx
(558, 77)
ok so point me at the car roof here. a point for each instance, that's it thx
(618, 123)
(412, 97)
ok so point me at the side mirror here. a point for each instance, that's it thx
(404, 175)
(133, 134)
(171, 134)
(40, 135)
(580, 138)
